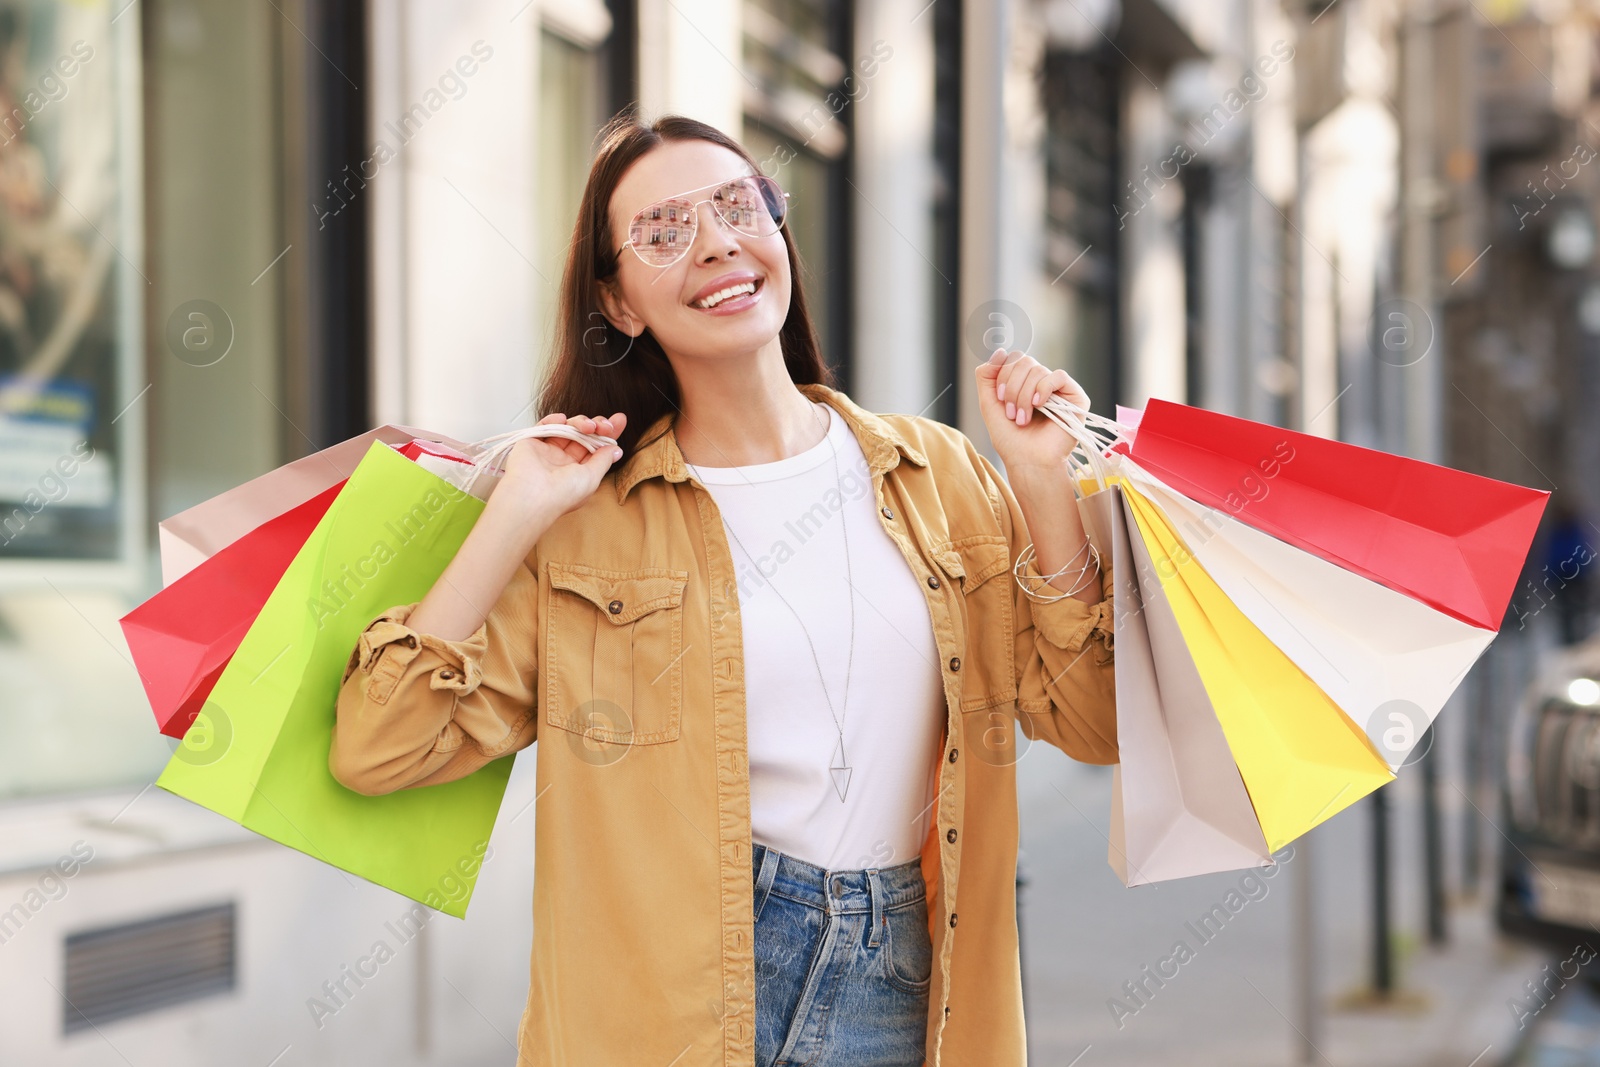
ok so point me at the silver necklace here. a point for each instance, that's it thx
(839, 769)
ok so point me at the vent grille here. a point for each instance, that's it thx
(134, 968)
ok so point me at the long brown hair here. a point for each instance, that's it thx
(597, 369)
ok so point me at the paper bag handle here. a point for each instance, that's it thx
(491, 451)
(1085, 427)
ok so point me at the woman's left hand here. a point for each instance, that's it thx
(1010, 386)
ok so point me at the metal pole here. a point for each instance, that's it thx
(1382, 963)
(1479, 693)
(1305, 952)
(1432, 841)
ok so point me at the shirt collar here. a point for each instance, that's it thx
(882, 444)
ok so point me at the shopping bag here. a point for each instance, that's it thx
(1388, 661)
(1301, 758)
(194, 535)
(182, 638)
(1455, 541)
(1178, 805)
(268, 723)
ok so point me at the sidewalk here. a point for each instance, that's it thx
(1087, 941)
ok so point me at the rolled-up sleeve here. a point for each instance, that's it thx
(1066, 675)
(415, 709)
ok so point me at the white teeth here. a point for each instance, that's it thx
(722, 294)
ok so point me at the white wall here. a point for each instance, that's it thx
(444, 999)
(453, 216)
(690, 61)
(893, 235)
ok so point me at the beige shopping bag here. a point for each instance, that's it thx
(191, 537)
(1179, 806)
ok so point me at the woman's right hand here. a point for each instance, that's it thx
(554, 475)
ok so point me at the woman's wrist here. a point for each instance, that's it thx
(519, 518)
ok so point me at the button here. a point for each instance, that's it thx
(886, 512)
(947, 1011)
(955, 663)
(615, 607)
(950, 836)
(954, 752)
(411, 640)
(447, 673)
(838, 886)
(952, 918)
(933, 583)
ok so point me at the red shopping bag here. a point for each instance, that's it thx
(182, 637)
(1453, 540)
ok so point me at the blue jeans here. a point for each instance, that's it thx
(843, 963)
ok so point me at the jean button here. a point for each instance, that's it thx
(838, 885)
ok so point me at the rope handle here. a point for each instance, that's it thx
(491, 451)
(1086, 428)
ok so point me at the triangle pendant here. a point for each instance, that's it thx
(841, 773)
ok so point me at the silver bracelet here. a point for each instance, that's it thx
(1080, 582)
(1087, 547)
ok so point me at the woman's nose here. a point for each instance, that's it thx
(714, 230)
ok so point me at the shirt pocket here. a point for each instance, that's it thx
(976, 565)
(614, 653)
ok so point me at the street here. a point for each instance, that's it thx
(1232, 1004)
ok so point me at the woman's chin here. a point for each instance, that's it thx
(730, 334)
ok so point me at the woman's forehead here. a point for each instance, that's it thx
(672, 169)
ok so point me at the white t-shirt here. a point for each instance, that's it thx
(791, 515)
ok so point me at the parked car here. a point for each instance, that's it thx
(1550, 859)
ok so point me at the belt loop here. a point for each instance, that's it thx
(875, 890)
(765, 877)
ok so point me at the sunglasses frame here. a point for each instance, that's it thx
(694, 216)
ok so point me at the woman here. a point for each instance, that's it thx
(774, 655)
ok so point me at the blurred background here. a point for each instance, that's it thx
(233, 233)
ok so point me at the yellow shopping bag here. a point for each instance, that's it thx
(1302, 759)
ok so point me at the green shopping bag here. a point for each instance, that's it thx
(258, 752)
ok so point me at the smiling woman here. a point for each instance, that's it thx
(605, 275)
(598, 603)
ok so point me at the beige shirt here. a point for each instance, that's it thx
(618, 643)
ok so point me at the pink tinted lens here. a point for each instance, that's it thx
(752, 205)
(663, 231)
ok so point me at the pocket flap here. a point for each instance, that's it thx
(621, 596)
(949, 561)
(974, 560)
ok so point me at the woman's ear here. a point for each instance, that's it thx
(617, 312)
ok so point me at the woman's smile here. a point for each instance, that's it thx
(729, 294)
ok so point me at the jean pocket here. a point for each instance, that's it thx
(907, 948)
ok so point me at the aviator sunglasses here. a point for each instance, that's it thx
(660, 233)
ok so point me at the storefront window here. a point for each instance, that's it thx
(68, 267)
(164, 355)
